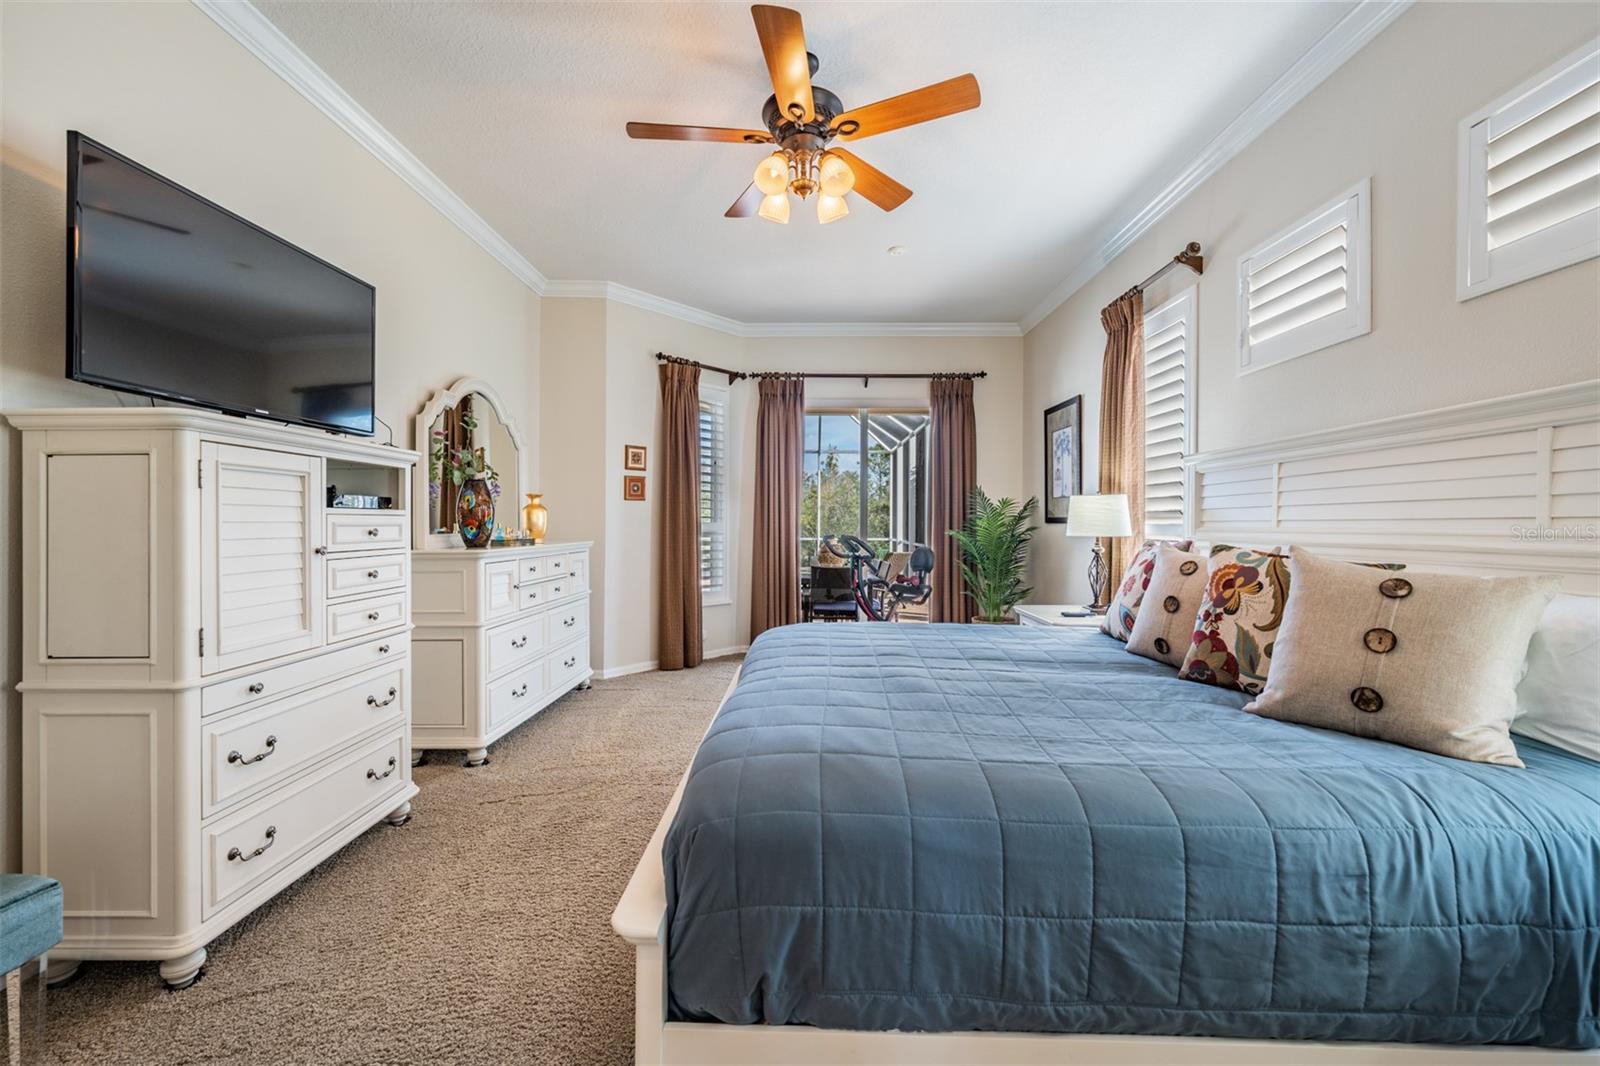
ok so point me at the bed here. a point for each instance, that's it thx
(951, 828)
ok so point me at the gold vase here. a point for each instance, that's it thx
(535, 517)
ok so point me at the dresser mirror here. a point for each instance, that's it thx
(469, 416)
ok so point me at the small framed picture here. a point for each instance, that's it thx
(1063, 457)
(632, 487)
(633, 458)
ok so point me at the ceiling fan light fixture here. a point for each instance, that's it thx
(837, 177)
(775, 208)
(772, 174)
(831, 208)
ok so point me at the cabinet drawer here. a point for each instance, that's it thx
(545, 592)
(533, 569)
(245, 753)
(245, 849)
(577, 565)
(354, 618)
(557, 565)
(352, 575)
(567, 666)
(515, 642)
(568, 622)
(512, 696)
(363, 531)
(501, 588)
(260, 686)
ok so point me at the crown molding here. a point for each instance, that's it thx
(1351, 34)
(623, 294)
(267, 43)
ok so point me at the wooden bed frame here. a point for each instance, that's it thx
(1551, 437)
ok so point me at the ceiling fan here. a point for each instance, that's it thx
(803, 120)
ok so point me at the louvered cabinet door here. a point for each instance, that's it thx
(261, 582)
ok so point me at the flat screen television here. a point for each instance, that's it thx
(171, 296)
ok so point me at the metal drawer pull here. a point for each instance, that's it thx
(319, 551)
(235, 855)
(570, 622)
(257, 688)
(272, 746)
(373, 701)
(372, 574)
(373, 775)
(383, 649)
(556, 589)
(523, 643)
(372, 532)
(555, 566)
(569, 663)
(372, 616)
(518, 693)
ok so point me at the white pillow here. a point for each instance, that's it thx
(1558, 700)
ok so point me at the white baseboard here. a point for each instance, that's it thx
(611, 672)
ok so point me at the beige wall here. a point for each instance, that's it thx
(165, 85)
(1391, 114)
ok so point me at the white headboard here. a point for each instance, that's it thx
(1504, 486)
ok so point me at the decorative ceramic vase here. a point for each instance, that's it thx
(475, 512)
(535, 517)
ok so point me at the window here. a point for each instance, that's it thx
(863, 473)
(714, 495)
(1528, 190)
(1309, 287)
(1168, 349)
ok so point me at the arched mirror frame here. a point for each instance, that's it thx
(422, 533)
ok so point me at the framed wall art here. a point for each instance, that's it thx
(1063, 457)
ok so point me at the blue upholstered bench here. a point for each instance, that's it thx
(30, 925)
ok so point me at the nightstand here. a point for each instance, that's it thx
(1049, 614)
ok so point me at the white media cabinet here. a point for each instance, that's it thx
(216, 667)
(501, 634)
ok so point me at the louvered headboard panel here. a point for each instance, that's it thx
(1503, 486)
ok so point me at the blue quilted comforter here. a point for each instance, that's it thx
(967, 827)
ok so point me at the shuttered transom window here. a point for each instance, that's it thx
(1308, 288)
(714, 494)
(1529, 196)
(1168, 369)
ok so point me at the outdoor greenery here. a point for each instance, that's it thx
(830, 497)
(994, 549)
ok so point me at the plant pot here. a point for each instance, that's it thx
(475, 512)
(1008, 620)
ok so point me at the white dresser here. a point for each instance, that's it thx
(501, 634)
(216, 667)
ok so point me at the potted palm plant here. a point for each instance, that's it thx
(994, 550)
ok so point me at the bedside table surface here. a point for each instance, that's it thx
(1049, 614)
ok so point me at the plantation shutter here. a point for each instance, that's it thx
(1168, 342)
(1531, 197)
(1307, 289)
(713, 491)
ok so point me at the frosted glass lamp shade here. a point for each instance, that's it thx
(837, 177)
(772, 174)
(831, 208)
(1099, 516)
(775, 208)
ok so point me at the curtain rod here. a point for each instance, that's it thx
(1189, 257)
(739, 375)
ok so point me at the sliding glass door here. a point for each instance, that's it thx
(864, 474)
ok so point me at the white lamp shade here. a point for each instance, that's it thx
(1098, 516)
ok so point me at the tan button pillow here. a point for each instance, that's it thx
(1119, 616)
(1164, 625)
(1430, 661)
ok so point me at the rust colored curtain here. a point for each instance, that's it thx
(775, 575)
(953, 473)
(680, 640)
(1122, 421)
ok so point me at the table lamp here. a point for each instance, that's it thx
(1098, 516)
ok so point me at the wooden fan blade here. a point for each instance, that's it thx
(873, 183)
(908, 109)
(660, 131)
(748, 203)
(783, 42)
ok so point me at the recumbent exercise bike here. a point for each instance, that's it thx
(873, 594)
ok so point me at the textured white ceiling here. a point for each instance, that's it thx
(1088, 109)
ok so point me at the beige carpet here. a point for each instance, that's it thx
(478, 933)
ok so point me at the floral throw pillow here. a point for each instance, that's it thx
(1234, 633)
(1124, 608)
